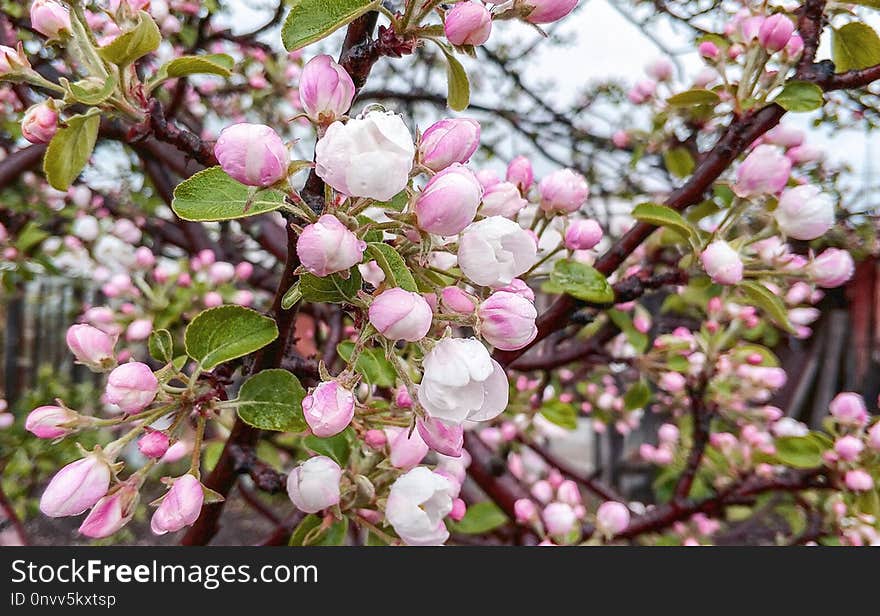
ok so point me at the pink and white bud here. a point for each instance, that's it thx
(453, 140)
(111, 513)
(547, 11)
(722, 263)
(370, 156)
(132, 387)
(252, 154)
(50, 18)
(417, 503)
(401, 315)
(849, 408)
(582, 234)
(502, 199)
(91, 346)
(154, 444)
(612, 518)
(765, 171)
(325, 89)
(525, 510)
(795, 47)
(244, 270)
(521, 288)
(832, 268)
(138, 330)
(375, 439)
(328, 409)
(559, 518)
(708, 50)
(848, 448)
(314, 484)
(454, 300)
(40, 123)
(407, 447)
(507, 321)
(494, 251)
(327, 246)
(449, 201)
(180, 506)
(568, 493)
(520, 173)
(563, 191)
(673, 382)
(221, 272)
(76, 487)
(785, 136)
(858, 481)
(660, 69)
(668, 433)
(50, 421)
(775, 32)
(874, 437)
(468, 23)
(804, 212)
(440, 436)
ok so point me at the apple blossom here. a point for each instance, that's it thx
(76, 487)
(328, 409)
(849, 408)
(546, 11)
(559, 518)
(494, 251)
(582, 234)
(440, 436)
(417, 503)
(563, 191)
(111, 513)
(40, 123)
(612, 518)
(449, 201)
(832, 268)
(327, 246)
(764, 171)
(467, 23)
(398, 314)
(775, 32)
(507, 321)
(325, 89)
(50, 421)
(314, 484)
(132, 387)
(804, 212)
(502, 199)
(452, 140)
(154, 444)
(91, 346)
(49, 18)
(253, 154)
(180, 506)
(722, 263)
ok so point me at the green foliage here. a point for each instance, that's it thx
(224, 333)
(212, 195)
(337, 447)
(579, 280)
(480, 518)
(560, 413)
(311, 20)
(332, 289)
(854, 46)
(70, 149)
(272, 400)
(161, 345)
(397, 274)
(800, 96)
(371, 364)
(133, 44)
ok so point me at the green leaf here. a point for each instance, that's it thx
(624, 323)
(458, 92)
(679, 162)
(480, 518)
(209, 64)
(562, 414)
(581, 281)
(800, 96)
(799, 451)
(291, 296)
(161, 345)
(312, 20)
(397, 203)
(224, 333)
(854, 46)
(212, 195)
(337, 447)
(397, 274)
(92, 91)
(664, 216)
(694, 98)
(70, 149)
(637, 396)
(332, 289)
(272, 400)
(309, 532)
(30, 236)
(770, 303)
(143, 38)
(874, 4)
(371, 363)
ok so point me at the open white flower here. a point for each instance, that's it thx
(494, 251)
(417, 504)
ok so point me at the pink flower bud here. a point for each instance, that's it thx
(453, 140)
(520, 173)
(874, 437)
(722, 263)
(212, 299)
(775, 32)
(402, 398)
(785, 136)
(487, 178)
(521, 288)
(542, 491)
(325, 89)
(459, 508)
(668, 433)
(49, 18)
(221, 272)
(660, 69)
(327, 246)
(764, 171)
(804, 212)
(525, 510)
(502, 199)
(468, 23)
(111, 513)
(76, 487)
(375, 439)
(253, 154)
(507, 321)
(180, 507)
(848, 448)
(454, 300)
(563, 191)
(91, 347)
(50, 421)
(673, 382)
(328, 409)
(568, 493)
(849, 408)
(612, 518)
(39, 123)
(559, 518)
(399, 314)
(750, 27)
(314, 484)
(449, 201)
(795, 47)
(132, 387)
(244, 270)
(144, 257)
(138, 330)
(858, 481)
(582, 234)
(547, 11)
(444, 438)
(407, 448)
(708, 50)
(154, 444)
(832, 268)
